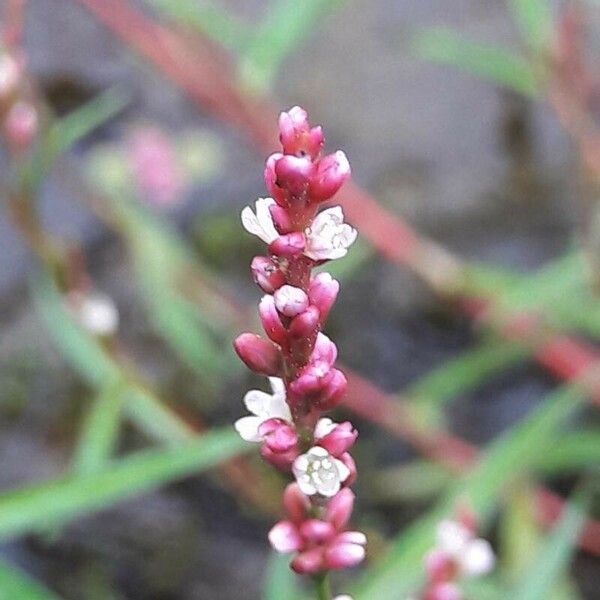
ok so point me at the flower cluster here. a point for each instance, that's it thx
(18, 116)
(457, 553)
(294, 353)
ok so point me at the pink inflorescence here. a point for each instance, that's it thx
(296, 356)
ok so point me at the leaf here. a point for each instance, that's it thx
(534, 18)
(210, 20)
(552, 561)
(287, 24)
(96, 367)
(67, 131)
(495, 64)
(280, 580)
(576, 451)
(100, 429)
(509, 457)
(56, 502)
(15, 584)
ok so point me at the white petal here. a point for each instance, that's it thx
(306, 487)
(334, 214)
(342, 469)
(258, 403)
(250, 222)
(247, 427)
(329, 488)
(300, 465)
(277, 386)
(452, 537)
(263, 214)
(477, 558)
(324, 427)
(318, 452)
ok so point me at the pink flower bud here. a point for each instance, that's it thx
(312, 380)
(322, 293)
(267, 274)
(259, 354)
(271, 320)
(281, 219)
(285, 537)
(309, 562)
(332, 172)
(274, 188)
(278, 435)
(305, 324)
(342, 555)
(339, 440)
(296, 135)
(316, 531)
(439, 566)
(290, 300)
(334, 390)
(294, 174)
(280, 460)
(295, 503)
(21, 124)
(444, 591)
(349, 462)
(339, 508)
(289, 245)
(324, 352)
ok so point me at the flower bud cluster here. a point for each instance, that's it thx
(296, 355)
(18, 116)
(457, 554)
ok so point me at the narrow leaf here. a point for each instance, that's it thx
(54, 503)
(15, 584)
(534, 18)
(495, 64)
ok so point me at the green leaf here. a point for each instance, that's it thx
(554, 558)
(65, 132)
(54, 503)
(96, 367)
(206, 18)
(534, 18)
(576, 451)
(287, 24)
(280, 580)
(15, 584)
(100, 429)
(495, 64)
(513, 454)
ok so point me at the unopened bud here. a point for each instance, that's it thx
(322, 293)
(20, 125)
(316, 531)
(271, 320)
(289, 245)
(295, 503)
(344, 554)
(281, 219)
(296, 135)
(305, 324)
(274, 188)
(290, 300)
(340, 439)
(259, 355)
(278, 435)
(293, 174)
(267, 274)
(334, 390)
(309, 562)
(332, 172)
(339, 508)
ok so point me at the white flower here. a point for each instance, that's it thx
(317, 472)
(263, 407)
(329, 237)
(324, 427)
(95, 312)
(473, 555)
(261, 223)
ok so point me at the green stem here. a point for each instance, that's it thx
(322, 585)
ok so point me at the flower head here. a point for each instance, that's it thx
(317, 472)
(329, 237)
(261, 222)
(263, 407)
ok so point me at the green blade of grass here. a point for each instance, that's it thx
(287, 24)
(495, 64)
(15, 584)
(100, 430)
(206, 18)
(280, 580)
(537, 583)
(509, 457)
(96, 367)
(576, 451)
(534, 18)
(57, 502)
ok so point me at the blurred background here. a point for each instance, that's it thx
(468, 318)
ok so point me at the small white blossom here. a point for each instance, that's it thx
(329, 237)
(324, 427)
(317, 472)
(263, 407)
(95, 312)
(261, 223)
(290, 300)
(473, 555)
